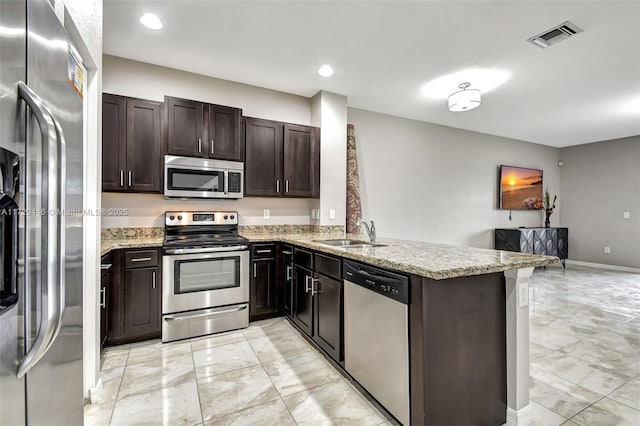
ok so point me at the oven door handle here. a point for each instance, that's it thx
(206, 250)
(207, 314)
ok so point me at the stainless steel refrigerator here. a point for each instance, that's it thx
(41, 132)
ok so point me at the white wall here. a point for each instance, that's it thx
(146, 210)
(329, 112)
(599, 182)
(427, 182)
(82, 20)
(131, 78)
(138, 79)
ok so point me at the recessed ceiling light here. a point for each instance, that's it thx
(151, 21)
(325, 71)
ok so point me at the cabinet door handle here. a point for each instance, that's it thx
(103, 297)
(277, 185)
(289, 268)
(264, 251)
(130, 177)
(255, 270)
(212, 142)
(286, 185)
(286, 252)
(307, 287)
(199, 145)
(153, 279)
(122, 178)
(141, 259)
(314, 289)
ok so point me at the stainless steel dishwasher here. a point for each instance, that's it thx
(376, 339)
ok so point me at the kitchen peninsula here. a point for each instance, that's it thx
(468, 322)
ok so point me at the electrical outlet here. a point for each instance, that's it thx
(607, 250)
(332, 214)
(626, 215)
(266, 214)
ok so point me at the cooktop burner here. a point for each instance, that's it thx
(201, 229)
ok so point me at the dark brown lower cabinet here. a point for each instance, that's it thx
(327, 329)
(264, 298)
(286, 276)
(133, 297)
(457, 342)
(141, 301)
(303, 300)
(318, 300)
(105, 283)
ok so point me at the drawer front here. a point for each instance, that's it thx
(287, 252)
(303, 258)
(106, 262)
(141, 258)
(328, 265)
(259, 251)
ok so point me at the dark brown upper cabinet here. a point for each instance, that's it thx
(301, 161)
(196, 129)
(263, 162)
(114, 142)
(184, 127)
(281, 159)
(131, 144)
(225, 133)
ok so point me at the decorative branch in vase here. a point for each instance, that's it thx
(548, 207)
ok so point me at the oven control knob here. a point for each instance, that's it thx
(232, 217)
(172, 217)
(179, 217)
(226, 217)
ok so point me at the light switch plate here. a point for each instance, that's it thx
(266, 214)
(332, 214)
(626, 215)
(523, 296)
(607, 250)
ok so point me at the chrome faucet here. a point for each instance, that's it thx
(371, 231)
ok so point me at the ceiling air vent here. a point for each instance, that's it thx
(555, 35)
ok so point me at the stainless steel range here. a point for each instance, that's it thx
(205, 285)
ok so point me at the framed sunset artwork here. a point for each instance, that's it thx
(520, 188)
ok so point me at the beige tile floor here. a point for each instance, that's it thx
(585, 347)
(585, 367)
(266, 374)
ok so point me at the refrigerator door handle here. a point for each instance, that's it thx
(61, 216)
(52, 140)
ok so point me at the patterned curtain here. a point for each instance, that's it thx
(354, 210)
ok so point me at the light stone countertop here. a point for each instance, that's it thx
(106, 245)
(436, 261)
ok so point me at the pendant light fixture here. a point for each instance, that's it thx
(465, 99)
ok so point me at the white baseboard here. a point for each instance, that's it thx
(603, 266)
(523, 416)
(95, 392)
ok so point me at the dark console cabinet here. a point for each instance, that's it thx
(546, 241)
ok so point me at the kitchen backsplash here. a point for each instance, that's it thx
(154, 232)
(126, 233)
(290, 229)
(147, 210)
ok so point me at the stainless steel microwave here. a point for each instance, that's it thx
(187, 177)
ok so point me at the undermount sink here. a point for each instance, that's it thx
(349, 243)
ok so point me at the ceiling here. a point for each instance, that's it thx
(584, 89)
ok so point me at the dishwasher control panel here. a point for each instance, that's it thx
(389, 284)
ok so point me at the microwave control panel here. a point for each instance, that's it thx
(235, 182)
